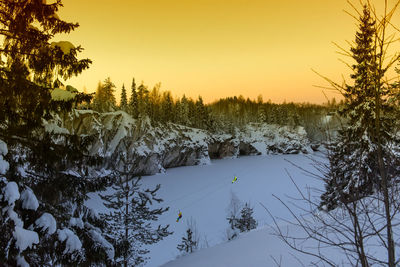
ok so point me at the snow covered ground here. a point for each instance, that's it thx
(203, 194)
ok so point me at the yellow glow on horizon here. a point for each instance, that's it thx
(213, 48)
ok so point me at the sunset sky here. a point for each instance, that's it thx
(213, 48)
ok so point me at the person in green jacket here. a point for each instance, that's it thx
(234, 180)
(179, 216)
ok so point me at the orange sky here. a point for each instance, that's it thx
(213, 48)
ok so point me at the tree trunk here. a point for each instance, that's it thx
(126, 216)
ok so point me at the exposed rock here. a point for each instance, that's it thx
(150, 149)
(247, 149)
(218, 149)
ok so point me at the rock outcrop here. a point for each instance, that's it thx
(151, 149)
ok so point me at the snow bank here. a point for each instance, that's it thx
(47, 223)
(72, 241)
(25, 238)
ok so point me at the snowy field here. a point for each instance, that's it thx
(202, 193)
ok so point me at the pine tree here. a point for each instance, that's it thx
(246, 222)
(130, 216)
(188, 245)
(133, 101)
(124, 101)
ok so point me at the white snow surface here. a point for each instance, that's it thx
(29, 200)
(11, 192)
(25, 238)
(72, 241)
(47, 223)
(203, 194)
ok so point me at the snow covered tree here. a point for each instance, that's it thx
(31, 66)
(246, 221)
(353, 158)
(361, 198)
(43, 188)
(124, 101)
(233, 217)
(190, 242)
(129, 218)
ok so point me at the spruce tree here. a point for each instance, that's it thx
(129, 218)
(143, 100)
(45, 184)
(133, 101)
(167, 107)
(188, 244)
(104, 100)
(233, 217)
(362, 160)
(124, 101)
(354, 167)
(246, 222)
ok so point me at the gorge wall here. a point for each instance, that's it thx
(151, 149)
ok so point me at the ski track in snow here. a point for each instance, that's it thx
(203, 193)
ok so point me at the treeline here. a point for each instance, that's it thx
(221, 115)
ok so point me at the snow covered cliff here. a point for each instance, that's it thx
(152, 149)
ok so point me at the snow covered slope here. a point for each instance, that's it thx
(202, 193)
(256, 248)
